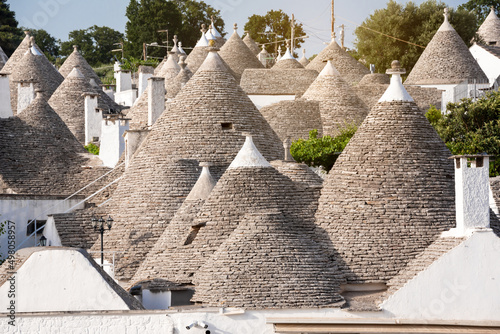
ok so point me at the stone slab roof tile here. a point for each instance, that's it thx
(277, 82)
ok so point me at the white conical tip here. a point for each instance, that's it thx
(171, 63)
(203, 41)
(35, 51)
(329, 70)
(203, 186)
(446, 26)
(249, 156)
(287, 55)
(180, 48)
(75, 73)
(208, 35)
(396, 91)
(214, 30)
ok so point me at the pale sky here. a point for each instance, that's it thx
(59, 17)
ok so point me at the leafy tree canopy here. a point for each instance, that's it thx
(46, 42)
(10, 35)
(95, 44)
(180, 17)
(471, 127)
(275, 25)
(481, 7)
(408, 22)
(324, 151)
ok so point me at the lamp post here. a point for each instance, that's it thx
(98, 225)
(43, 241)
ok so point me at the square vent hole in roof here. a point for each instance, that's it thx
(227, 126)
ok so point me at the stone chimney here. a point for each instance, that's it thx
(145, 72)
(93, 117)
(287, 144)
(133, 139)
(472, 186)
(5, 105)
(123, 79)
(25, 94)
(156, 99)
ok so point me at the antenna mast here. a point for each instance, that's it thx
(333, 22)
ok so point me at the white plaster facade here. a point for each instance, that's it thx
(5, 105)
(489, 63)
(461, 285)
(112, 141)
(60, 279)
(265, 100)
(21, 209)
(143, 82)
(125, 94)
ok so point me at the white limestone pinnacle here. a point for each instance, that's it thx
(249, 156)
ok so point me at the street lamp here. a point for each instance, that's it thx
(43, 241)
(98, 225)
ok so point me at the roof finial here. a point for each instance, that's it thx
(75, 47)
(304, 52)
(288, 44)
(235, 27)
(32, 41)
(26, 32)
(203, 28)
(182, 62)
(212, 20)
(396, 91)
(446, 13)
(175, 40)
(211, 43)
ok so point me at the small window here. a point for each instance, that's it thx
(479, 162)
(458, 163)
(192, 235)
(226, 126)
(33, 225)
(492, 43)
(95, 139)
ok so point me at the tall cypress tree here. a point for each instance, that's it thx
(10, 35)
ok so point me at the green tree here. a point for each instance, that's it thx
(471, 127)
(324, 151)
(408, 22)
(46, 42)
(481, 7)
(194, 14)
(95, 44)
(180, 17)
(275, 25)
(10, 35)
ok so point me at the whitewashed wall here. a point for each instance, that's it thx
(52, 280)
(489, 63)
(461, 285)
(112, 141)
(22, 208)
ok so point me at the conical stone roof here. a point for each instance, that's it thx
(18, 54)
(250, 184)
(69, 103)
(303, 60)
(248, 40)
(288, 61)
(351, 70)
(339, 105)
(75, 59)
(390, 193)
(269, 261)
(160, 65)
(40, 156)
(238, 56)
(203, 123)
(175, 85)
(35, 68)
(170, 69)
(196, 57)
(445, 60)
(272, 235)
(489, 31)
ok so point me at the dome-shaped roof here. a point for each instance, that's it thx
(75, 59)
(69, 103)
(351, 70)
(339, 105)
(390, 193)
(248, 40)
(35, 68)
(238, 56)
(19, 53)
(489, 31)
(203, 123)
(445, 60)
